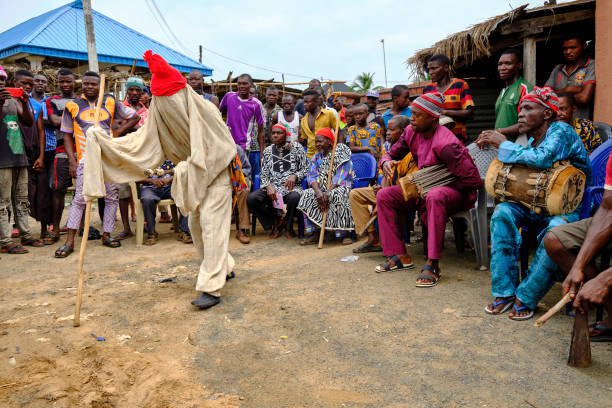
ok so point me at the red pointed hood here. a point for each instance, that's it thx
(165, 80)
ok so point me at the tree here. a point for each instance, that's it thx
(364, 82)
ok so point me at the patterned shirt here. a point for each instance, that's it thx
(78, 117)
(343, 174)
(588, 134)
(55, 105)
(369, 136)
(456, 97)
(277, 165)
(584, 74)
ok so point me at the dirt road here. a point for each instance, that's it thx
(296, 327)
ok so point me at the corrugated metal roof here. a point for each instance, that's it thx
(61, 33)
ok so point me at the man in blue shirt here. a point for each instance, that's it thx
(400, 98)
(549, 142)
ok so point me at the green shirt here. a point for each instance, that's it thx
(506, 107)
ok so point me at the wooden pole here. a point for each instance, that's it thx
(92, 55)
(329, 180)
(133, 68)
(77, 308)
(200, 59)
(283, 84)
(529, 59)
(580, 347)
(229, 80)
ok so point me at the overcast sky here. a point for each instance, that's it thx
(330, 39)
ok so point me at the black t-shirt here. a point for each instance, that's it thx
(56, 105)
(12, 148)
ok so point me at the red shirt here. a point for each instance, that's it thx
(142, 112)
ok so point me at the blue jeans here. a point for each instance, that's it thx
(254, 160)
(507, 219)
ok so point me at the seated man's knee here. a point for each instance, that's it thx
(552, 244)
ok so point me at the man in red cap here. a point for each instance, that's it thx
(431, 144)
(318, 198)
(190, 132)
(549, 141)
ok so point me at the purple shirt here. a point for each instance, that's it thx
(239, 114)
(442, 148)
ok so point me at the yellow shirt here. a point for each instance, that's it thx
(405, 166)
(325, 119)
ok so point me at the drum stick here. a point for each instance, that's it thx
(372, 220)
(329, 180)
(77, 307)
(564, 300)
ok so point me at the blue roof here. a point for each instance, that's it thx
(61, 33)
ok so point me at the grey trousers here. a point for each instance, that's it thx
(14, 197)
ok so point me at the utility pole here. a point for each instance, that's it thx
(200, 54)
(92, 55)
(384, 61)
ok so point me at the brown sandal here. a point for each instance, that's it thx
(151, 239)
(14, 249)
(37, 243)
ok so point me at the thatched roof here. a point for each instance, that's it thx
(471, 44)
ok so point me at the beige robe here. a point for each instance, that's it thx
(191, 133)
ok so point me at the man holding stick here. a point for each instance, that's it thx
(76, 120)
(574, 248)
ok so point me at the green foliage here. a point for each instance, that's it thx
(364, 82)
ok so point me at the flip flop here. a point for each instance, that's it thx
(507, 302)
(36, 243)
(111, 242)
(605, 333)
(398, 265)
(14, 249)
(433, 279)
(49, 238)
(367, 247)
(63, 251)
(123, 235)
(311, 240)
(520, 318)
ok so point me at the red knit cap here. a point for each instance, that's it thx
(165, 80)
(326, 132)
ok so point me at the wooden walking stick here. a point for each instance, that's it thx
(580, 347)
(77, 307)
(329, 180)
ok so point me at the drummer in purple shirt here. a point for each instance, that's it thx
(241, 108)
(430, 144)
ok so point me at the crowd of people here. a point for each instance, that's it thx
(284, 147)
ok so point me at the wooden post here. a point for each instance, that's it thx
(229, 80)
(529, 59)
(329, 183)
(603, 61)
(580, 347)
(92, 55)
(283, 84)
(200, 59)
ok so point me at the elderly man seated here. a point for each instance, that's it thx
(283, 167)
(363, 198)
(154, 189)
(549, 142)
(431, 144)
(574, 248)
(318, 198)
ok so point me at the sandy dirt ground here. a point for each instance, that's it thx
(295, 328)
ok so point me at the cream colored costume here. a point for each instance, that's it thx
(189, 131)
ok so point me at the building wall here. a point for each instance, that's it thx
(603, 62)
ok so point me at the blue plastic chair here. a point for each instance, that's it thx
(364, 166)
(592, 195)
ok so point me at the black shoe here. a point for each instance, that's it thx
(205, 301)
(231, 275)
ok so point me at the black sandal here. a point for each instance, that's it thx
(111, 242)
(367, 247)
(398, 265)
(63, 251)
(433, 279)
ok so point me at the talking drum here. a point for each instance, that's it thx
(417, 184)
(553, 191)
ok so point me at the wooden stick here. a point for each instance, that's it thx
(580, 347)
(329, 180)
(370, 222)
(564, 300)
(77, 307)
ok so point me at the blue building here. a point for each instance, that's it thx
(57, 38)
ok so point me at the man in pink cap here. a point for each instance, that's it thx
(430, 144)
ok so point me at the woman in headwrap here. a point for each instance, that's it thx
(317, 198)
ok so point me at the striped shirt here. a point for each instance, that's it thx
(456, 97)
(78, 116)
